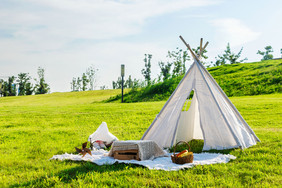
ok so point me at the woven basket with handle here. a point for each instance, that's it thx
(182, 160)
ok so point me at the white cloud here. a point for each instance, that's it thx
(234, 31)
(43, 33)
(88, 19)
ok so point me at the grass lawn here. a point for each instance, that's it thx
(34, 128)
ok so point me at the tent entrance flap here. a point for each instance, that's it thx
(189, 123)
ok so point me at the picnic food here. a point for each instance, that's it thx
(178, 155)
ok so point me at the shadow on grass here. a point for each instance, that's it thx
(68, 175)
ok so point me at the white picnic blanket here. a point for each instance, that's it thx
(100, 157)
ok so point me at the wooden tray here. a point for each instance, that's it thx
(127, 155)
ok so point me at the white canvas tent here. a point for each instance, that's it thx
(211, 115)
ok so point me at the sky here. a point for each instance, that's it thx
(65, 37)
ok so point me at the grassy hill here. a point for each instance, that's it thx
(236, 80)
(60, 98)
(34, 128)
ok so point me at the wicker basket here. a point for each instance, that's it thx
(182, 160)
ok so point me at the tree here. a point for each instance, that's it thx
(147, 70)
(220, 60)
(1, 87)
(91, 72)
(10, 87)
(178, 59)
(103, 87)
(128, 83)
(85, 82)
(41, 87)
(114, 85)
(266, 55)
(137, 84)
(118, 83)
(229, 56)
(165, 70)
(5, 89)
(29, 88)
(22, 80)
(73, 84)
(89, 77)
(197, 51)
(78, 84)
(281, 52)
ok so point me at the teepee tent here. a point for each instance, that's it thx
(211, 115)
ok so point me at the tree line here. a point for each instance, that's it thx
(21, 84)
(175, 65)
(86, 81)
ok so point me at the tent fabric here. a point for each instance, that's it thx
(211, 116)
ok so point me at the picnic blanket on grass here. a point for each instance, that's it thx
(100, 157)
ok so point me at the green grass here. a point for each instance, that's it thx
(34, 128)
(242, 79)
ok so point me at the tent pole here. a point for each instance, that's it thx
(203, 49)
(201, 45)
(205, 46)
(189, 48)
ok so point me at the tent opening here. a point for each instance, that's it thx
(189, 122)
(187, 103)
